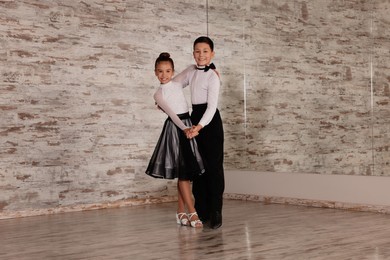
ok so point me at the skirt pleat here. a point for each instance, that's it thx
(175, 156)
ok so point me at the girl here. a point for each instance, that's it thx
(175, 156)
(205, 84)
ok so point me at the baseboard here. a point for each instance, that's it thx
(6, 214)
(361, 193)
(358, 193)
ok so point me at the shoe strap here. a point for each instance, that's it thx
(181, 215)
(190, 215)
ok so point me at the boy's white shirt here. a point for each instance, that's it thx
(204, 88)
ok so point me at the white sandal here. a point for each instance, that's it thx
(195, 223)
(182, 219)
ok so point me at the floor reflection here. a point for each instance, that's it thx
(250, 230)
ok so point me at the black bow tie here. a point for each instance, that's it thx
(206, 68)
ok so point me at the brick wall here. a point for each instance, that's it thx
(305, 89)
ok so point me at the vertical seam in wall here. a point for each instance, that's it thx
(207, 17)
(372, 90)
(245, 83)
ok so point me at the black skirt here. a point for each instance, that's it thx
(175, 156)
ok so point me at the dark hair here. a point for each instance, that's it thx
(164, 56)
(205, 39)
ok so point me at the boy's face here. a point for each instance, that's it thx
(203, 54)
(164, 72)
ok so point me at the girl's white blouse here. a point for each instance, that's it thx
(170, 98)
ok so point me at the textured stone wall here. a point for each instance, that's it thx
(78, 121)
(305, 89)
(306, 85)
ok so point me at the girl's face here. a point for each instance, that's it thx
(203, 54)
(164, 71)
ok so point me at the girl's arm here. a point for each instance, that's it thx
(158, 97)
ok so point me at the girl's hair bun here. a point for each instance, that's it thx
(164, 55)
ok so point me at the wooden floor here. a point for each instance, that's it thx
(251, 230)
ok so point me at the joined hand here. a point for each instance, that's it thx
(192, 132)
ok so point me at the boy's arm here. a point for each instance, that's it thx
(184, 77)
(212, 100)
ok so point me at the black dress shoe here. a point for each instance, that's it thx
(216, 220)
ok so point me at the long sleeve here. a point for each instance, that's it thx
(204, 88)
(212, 99)
(184, 77)
(158, 97)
